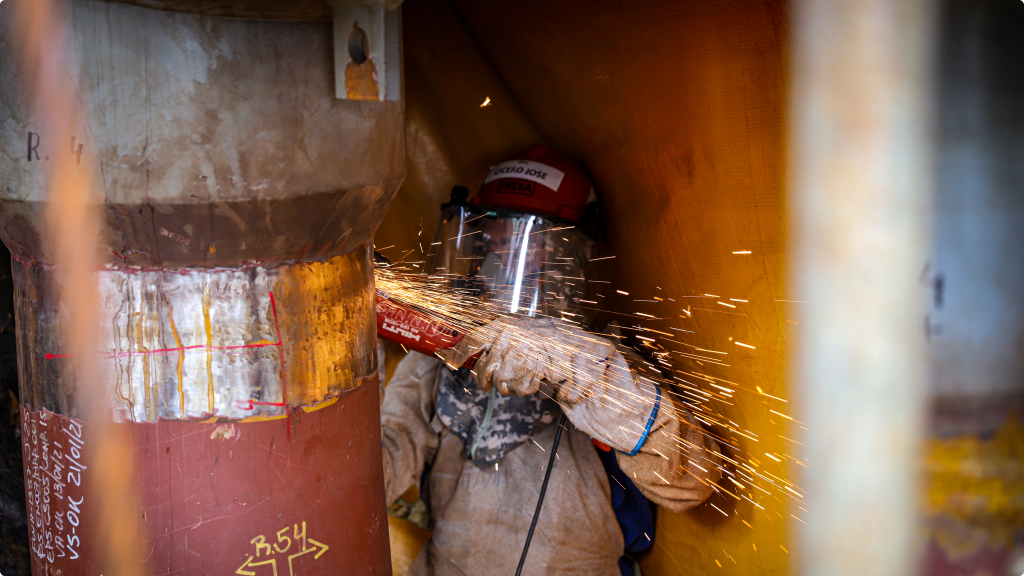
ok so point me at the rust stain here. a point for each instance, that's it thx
(140, 344)
(209, 343)
(224, 432)
(152, 330)
(224, 209)
(181, 360)
(328, 359)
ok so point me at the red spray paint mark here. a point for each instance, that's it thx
(206, 348)
(277, 328)
(202, 347)
(248, 404)
(284, 384)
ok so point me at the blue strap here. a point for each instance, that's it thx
(650, 424)
(632, 508)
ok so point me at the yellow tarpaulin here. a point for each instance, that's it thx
(677, 110)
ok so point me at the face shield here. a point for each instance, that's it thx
(516, 263)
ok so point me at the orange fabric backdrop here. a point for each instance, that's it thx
(677, 109)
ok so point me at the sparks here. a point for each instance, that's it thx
(713, 405)
(763, 393)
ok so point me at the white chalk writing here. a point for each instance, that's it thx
(53, 455)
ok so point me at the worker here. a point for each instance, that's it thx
(476, 439)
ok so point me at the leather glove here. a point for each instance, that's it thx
(585, 373)
(515, 354)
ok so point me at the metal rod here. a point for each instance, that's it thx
(543, 489)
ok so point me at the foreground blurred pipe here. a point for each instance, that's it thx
(860, 214)
(215, 321)
(71, 229)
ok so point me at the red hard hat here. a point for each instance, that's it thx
(539, 181)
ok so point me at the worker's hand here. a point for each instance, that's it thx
(522, 355)
(515, 354)
(585, 373)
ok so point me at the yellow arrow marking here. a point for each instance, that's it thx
(324, 548)
(272, 562)
(291, 571)
(241, 569)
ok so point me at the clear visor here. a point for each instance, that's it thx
(517, 263)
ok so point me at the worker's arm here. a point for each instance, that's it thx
(677, 465)
(409, 441)
(661, 447)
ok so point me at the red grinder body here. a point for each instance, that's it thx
(412, 328)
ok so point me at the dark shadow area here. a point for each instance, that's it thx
(14, 555)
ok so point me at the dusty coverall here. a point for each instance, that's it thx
(481, 516)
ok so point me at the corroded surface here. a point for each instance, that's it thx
(215, 141)
(262, 9)
(238, 199)
(188, 344)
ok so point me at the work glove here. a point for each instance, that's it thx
(585, 373)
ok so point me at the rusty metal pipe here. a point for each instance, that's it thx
(234, 293)
(860, 201)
